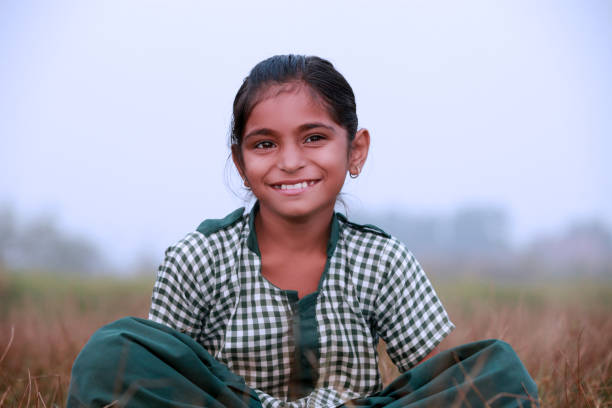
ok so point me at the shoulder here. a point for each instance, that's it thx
(367, 229)
(198, 247)
(367, 238)
(372, 241)
(211, 226)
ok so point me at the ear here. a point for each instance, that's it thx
(236, 158)
(359, 151)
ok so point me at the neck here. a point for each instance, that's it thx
(310, 234)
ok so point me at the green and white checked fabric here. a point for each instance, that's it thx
(210, 287)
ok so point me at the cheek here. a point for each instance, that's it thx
(336, 160)
(253, 165)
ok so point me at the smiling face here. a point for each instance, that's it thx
(293, 155)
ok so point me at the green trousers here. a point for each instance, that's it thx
(138, 363)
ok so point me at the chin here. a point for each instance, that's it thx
(301, 213)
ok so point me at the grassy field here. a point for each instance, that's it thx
(562, 331)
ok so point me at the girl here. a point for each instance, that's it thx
(283, 305)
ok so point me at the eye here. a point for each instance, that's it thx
(265, 144)
(314, 138)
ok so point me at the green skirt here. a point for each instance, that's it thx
(138, 363)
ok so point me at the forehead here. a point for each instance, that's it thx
(287, 103)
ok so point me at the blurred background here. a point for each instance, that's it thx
(491, 134)
(490, 121)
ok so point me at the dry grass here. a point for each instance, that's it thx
(563, 334)
(45, 321)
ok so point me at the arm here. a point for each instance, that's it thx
(182, 287)
(409, 316)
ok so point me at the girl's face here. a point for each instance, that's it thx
(294, 156)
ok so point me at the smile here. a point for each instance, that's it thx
(294, 187)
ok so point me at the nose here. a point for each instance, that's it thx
(291, 158)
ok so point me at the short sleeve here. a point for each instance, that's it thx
(409, 316)
(184, 282)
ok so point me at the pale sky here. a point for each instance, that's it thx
(114, 115)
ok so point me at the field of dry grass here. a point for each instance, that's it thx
(562, 332)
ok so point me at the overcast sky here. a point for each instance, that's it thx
(114, 115)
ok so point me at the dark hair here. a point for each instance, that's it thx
(317, 73)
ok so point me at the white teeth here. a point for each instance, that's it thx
(303, 184)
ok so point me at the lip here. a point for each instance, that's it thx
(276, 186)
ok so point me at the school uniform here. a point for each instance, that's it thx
(220, 334)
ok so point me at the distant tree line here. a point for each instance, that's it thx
(470, 231)
(41, 245)
(480, 238)
(472, 240)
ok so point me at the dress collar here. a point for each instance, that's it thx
(254, 246)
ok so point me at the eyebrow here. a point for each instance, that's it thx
(301, 128)
(314, 125)
(261, 131)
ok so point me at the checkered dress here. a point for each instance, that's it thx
(318, 351)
